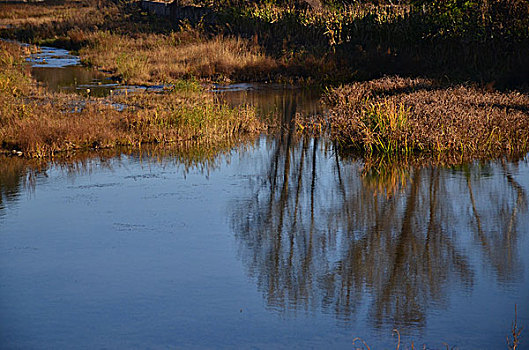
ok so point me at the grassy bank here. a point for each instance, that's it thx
(135, 46)
(39, 123)
(322, 42)
(179, 55)
(394, 115)
(446, 42)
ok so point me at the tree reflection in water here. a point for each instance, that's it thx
(322, 232)
(316, 232)
(13, 175)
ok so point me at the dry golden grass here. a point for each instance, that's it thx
(299, 43)
(38, 21)
(140, 49)
(144, 49)
(165, 58)
(30, 13)
(39, 123)
(401, 116)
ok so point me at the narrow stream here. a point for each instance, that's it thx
(281, 243)
(61, 71)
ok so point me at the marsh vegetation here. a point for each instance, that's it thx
(40, 123)
(461, 53)
(377, 207)
(396, 116)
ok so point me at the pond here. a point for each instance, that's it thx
(282, 242)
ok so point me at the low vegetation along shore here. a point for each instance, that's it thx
(36, 122)
(398, 116)
(463, 51)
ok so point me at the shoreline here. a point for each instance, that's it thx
(40, 123)
(184, 56)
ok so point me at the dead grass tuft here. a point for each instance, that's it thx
(397, 115)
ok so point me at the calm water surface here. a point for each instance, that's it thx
(276, 245)
(279, 243)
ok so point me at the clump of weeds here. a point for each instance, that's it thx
(394, 115)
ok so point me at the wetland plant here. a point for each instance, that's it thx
(395, 115)
(40, 123)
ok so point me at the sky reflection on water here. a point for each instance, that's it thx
(282, 244)
(279, 243)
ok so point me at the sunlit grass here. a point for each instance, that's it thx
(167, 58)
(39, 123)
(394, 115)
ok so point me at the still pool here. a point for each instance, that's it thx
(280, 243)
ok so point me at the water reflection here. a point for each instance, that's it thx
(19, 174)
(277, 101)
(372, 242)
(494, 220)
(73, 78)
(321, 232)
(374, 247)
(12, 175)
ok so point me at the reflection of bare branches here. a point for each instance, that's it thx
(318, 235)
(521, 201)
(422, 262)
(405, 247)
(498, 239)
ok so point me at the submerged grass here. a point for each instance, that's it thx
(39, 123)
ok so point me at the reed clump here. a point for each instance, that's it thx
(39, 123)
(402, 116)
